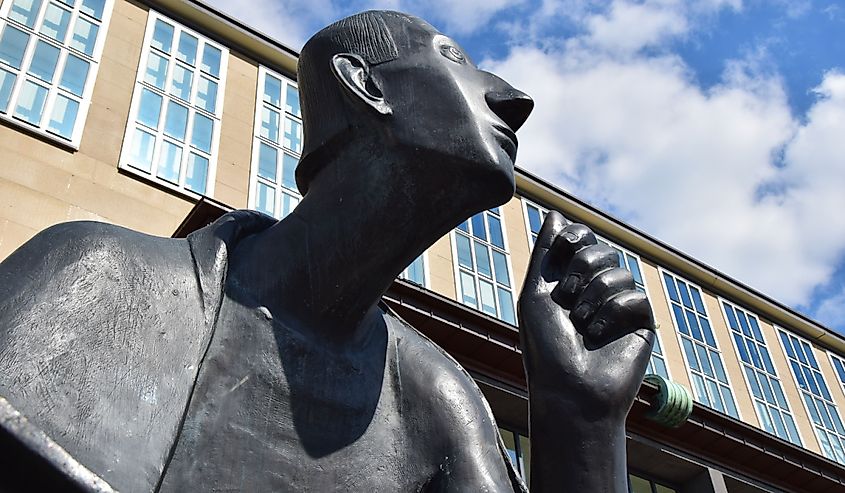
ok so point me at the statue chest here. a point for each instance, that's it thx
(273, 411)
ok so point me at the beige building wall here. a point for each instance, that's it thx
(440, 267)
(516, 234)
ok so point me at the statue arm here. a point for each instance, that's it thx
(586, 335)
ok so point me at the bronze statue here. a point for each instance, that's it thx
(256, 355)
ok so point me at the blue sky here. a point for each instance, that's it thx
(717, 126)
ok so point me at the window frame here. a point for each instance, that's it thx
(53, 88)
(680, 336)
(722, 302)
(426, 279)
(833, 357)
(217, 117)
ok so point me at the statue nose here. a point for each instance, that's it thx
(511, 105)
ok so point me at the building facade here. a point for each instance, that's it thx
(160, 115)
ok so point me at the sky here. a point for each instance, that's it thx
(716, 126)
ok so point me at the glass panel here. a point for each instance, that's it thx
(787, 344)
(700, 391)
(670, 286)
(685, 299)
(708, 332)
(292, 101)
(500, 263)
(415, 272)
(207, 95)
(634, 267)
(149, 112)
(31, 102)
(767, 362)
(696, 299)
(181, 83)
(44, 61)
(755, 329)
(25, 11)
(780, 428)
(196, 174)
(659, 488)
(740, 346)
(763, 414)
(293, 135)
(12, 46)
(679, 317)
(464, 226)
(289, 202)
(203, 130)
(728, 399)
(488, 298)
(715, 396)
(56, 20)
(267, 158)
(703, 359)
(176, 120)
(752, 382)
(270, 125)
(273, 90)
(660, 367)
(94, 8)
(717, 366)
(289, 171)
(464, 254)
(693, 325)
(169, 162)
(266, 200)
(211, 60)
(142, 150)
(534, 222)
(639, 485)
(690, 352)
(793, 430)
(729, 312)
(482, 260)
(74, 75)
(496, 237)
(162, 36)
(781, 399)
(156, 70)
(468, 289)
(506, 305)
(767, 390)
(64, 116)
(814, 414)
(187, 51)
(478, 226)
(7, 82)
(525, 448)
(84, 36)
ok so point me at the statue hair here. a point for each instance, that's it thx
(324, 111)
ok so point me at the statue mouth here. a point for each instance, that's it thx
(507, 141)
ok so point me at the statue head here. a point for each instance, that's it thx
(393, 77)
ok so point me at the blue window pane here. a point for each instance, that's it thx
(150, 109)
(84, 36)
(708, 332)
(696, 299)
(56, 21)
(752, 351)
(670, 286)
(840, 369)
(267, 159)
(728, 399)
(811, 382)
(289, 164)
(534, 220)
(7, 82)
(196, 174)
(169, 162)
(715, 396)
(94, 8)
(273, 91)
(690, 352)
(811, 407)
(292, 101)
(767, 390)
(74, 75)
(693, 325)
(767, 361)
(187, 50)
(156, 72)
(162, 36)
(143, 144)
(468, 289)
(753, 383)
(270, 124)
(293, 135)
(501, 266)
(496, 237)
(634, 267)
(740, 346)
(44, 61)
(799, 351)
(487, 296)
(621, 258)
(743, 323)
(25, 11)
(211, 60)
(799, 376)
(765, 419)
(289, 203)
(176, 120)
(482, 260)
(823, 412)
(207, 95)
(657, 349)
(660, 367)
(779, 397)
(415, 271)
(64, 116)
(464, 253)
(266, 200)
(494, 210)
(182, 80)
(12, 46)
(718, 368)
(700, 389)
(811, 358)
(834, 416)
(755, 329)
(478, 226)
(506, 303)
(787, 345)
(685, 298)
(31, 102)
(202, 133)
(704, 360)
(821, 385)
(464, 226)
(679, 317)
(792, 429)
(729, 312)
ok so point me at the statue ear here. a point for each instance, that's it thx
(354, 74)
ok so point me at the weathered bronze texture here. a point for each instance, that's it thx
(255, 355)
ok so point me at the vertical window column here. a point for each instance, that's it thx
(704, 361)
(49, 55)
(483, 270)
(519, 450)
(174, 122)
(277, 145)
(763, 382)
(816, 396)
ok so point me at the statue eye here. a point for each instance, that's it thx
(452, 53)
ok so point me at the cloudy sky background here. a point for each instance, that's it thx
(717, 126)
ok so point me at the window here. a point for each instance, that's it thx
(839, 365)
(174, 120)
(763, 382)
(415, 272)
(276, 145)
(519, 450)
(816, 397)
(637, 484)
(704, 361)
(49, 55)
(483, 272)
(534, 217)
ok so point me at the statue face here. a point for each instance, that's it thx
(451, 114)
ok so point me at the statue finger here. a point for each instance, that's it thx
(552, 227)
(582, 267)
(600, 289)
(624, 313)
